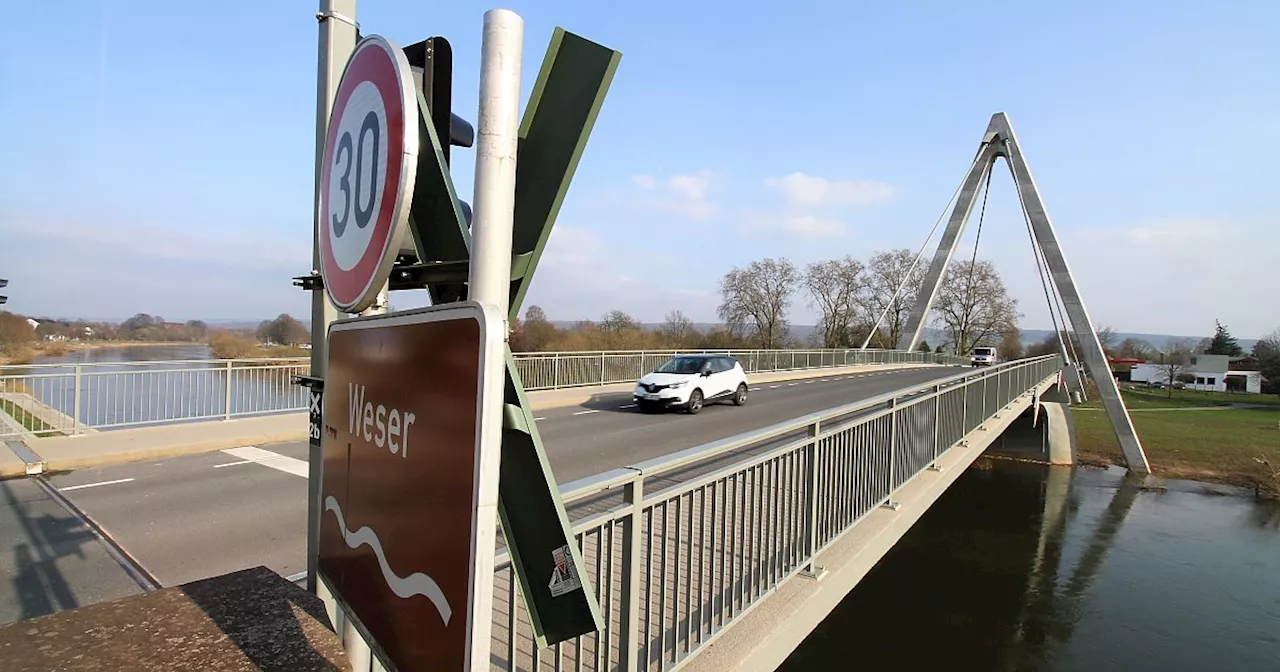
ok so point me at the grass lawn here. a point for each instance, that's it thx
(1211, 445)
(24, 418)
(1139, 397)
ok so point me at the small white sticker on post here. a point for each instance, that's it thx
(564, 578)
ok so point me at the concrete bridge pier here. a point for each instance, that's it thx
(1046, 434)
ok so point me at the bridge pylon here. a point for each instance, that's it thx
(997, 142)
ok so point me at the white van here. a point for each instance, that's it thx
(984, 356)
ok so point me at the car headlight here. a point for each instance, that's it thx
(676, 386)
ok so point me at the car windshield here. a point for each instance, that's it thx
(982, 351)
(683, 365)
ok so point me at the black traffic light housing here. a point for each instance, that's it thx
(445, 271)
(4, 283)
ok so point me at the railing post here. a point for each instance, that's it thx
(629, 632)
(964, 406)
(937, 420)
(602, 368)
(75, 403)
(227, 399)
(555, 372)
(893, 444)
(811, 517)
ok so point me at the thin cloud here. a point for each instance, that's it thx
(1176, 232)
(686, 195)
(795, 225)
(809, 190)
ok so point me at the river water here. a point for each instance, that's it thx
(1020, 567)
(134, 385)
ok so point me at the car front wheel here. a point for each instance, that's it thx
(695, 402)
(740, 397)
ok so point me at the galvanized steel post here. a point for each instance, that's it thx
(629, 630)
(226, 409)
(75, 404)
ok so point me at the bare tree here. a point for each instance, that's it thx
(754, 299)
(1107, 338)
(837, 287)
(537, 333)
(886, 273)
(1175, 361)
(1010, 347)
(1267, 352)
(677, 330)
(616, 321)
(973, 305)
(1136, 348)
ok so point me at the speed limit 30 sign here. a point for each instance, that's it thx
(368, 167)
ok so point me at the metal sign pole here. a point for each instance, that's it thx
(337, 40)
(489, 283)
(497, 138)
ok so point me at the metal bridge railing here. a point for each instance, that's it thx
(552, 370)
(52, 399)
(678, 547)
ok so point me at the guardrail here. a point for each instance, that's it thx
(52, 399)
(552, 370)
(678, 547)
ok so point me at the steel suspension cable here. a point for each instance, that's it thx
(973, 262)
(893, 300)
(1057, 312)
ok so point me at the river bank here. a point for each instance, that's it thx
(26, 354)
(1232, 439)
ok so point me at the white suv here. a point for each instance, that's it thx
(691, 381)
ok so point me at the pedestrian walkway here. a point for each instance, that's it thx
(50, 558)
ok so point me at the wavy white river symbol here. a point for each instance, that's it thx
(414, 584)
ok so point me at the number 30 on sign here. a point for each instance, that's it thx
(367, 172)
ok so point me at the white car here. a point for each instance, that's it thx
(691, 381)
(984, 357)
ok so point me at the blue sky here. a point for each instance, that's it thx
(160, 153)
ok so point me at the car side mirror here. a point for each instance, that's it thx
(706, 373)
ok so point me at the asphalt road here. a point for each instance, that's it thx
(202, 515)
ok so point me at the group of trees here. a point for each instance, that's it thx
(972, 306)
(615, 331)
(15, 333)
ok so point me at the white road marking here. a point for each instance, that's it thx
(539, 418)
(295, 578)
(774, 386)
(586, 412)
(273, 460)
(755, 389)
(94, 485)
(808, 382)
(232, 464)
(627, 406)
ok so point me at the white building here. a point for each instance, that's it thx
(1207, 373)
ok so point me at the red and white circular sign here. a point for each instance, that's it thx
(368, 167)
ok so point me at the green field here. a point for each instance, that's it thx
(1142, 397)
(23, 418)
(1212, 445)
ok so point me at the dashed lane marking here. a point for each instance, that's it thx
(627, 406)
(94, 485)
(232, 464)
(586, 412)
